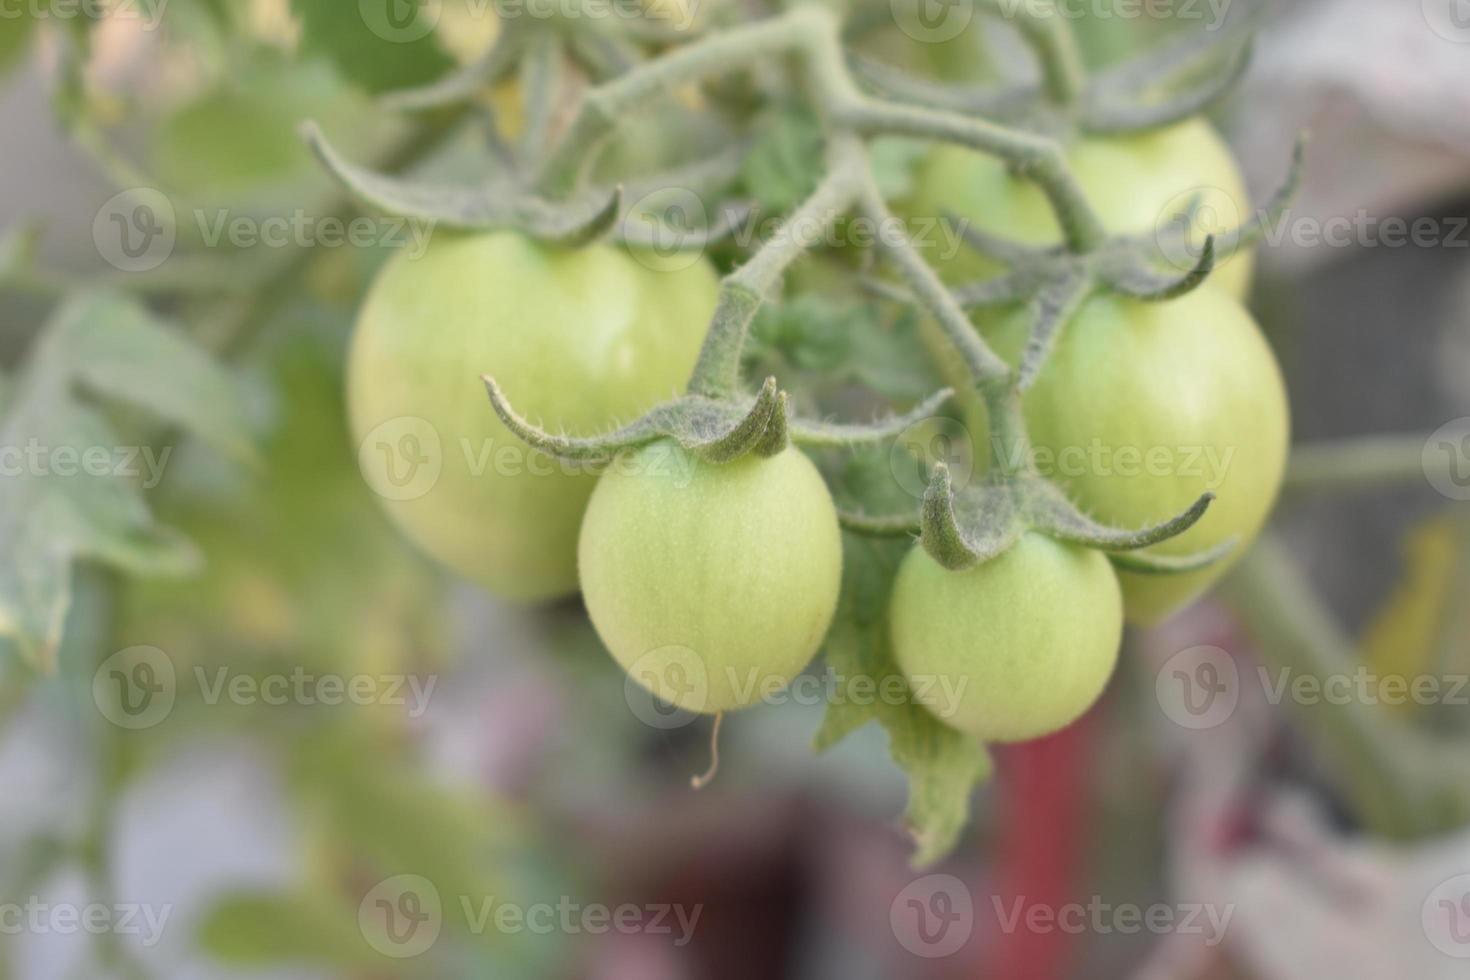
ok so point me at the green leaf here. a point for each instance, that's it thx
(261, 929)
(72, 485)
(785, 164)
(894, 160)
(943, 765)
(842, 339)
(15, 33)
(371, 43)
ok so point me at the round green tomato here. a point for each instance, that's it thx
(1136, 183)
(1012, 649)
(578, 339)
(712, 585)
(1143, 407)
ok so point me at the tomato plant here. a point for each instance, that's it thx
(584, 337)
(1011, 649)
(598, 360)
(713, 585)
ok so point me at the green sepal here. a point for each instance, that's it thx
(500, 204)
(1131, 276)
(462, 84)
(961, 530)
(717, 430)
(964, 528)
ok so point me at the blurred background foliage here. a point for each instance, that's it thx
(262, 827)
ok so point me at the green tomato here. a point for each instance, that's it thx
(1143, 407)
(578, 339)
(712, 585)
(1014, 648)
(1136, 183)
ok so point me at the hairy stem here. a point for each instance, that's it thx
(1052, 38)
(985, 368)
(717, 373)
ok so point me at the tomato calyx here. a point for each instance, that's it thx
(717, 430)
(962, 528)
(510, 202)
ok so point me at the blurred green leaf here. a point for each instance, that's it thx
(260, 929)
(300, 557)
(71, 487)
(379, 45)
(894, 160)
(16, 28)
(785, 164)
(843, 339)
(239, 143)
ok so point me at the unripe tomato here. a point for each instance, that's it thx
(1145, 406)
(1136, 184)
(578, 339)
(1014, 648)
(712, 585)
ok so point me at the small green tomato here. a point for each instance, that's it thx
(1015, 648)
(712, 585)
